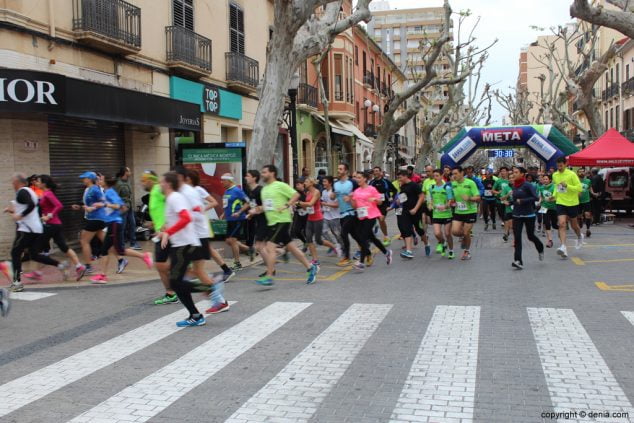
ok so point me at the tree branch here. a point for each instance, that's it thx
(622, 21)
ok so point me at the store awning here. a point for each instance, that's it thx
(610, 150)
(335, 126)
(357, 132)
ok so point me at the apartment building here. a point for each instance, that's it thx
(617, 91)
(95, 84)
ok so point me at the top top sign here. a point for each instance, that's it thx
(211, 99)
(502, 135)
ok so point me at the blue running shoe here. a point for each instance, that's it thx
(388, 256)
(227, 276)
(357, 255)
(264, 280)
(407, 254)
(192, 321)
(311, 275)
(121, 265)
(428, 250)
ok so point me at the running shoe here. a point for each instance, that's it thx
(5, 268)
(5, 302)
(505, 237)
(562, 251)
(63, 268)
(369, 260)
(89, 269)
(583, 239)
(331, 252)
(486, 226)
(166, 299)
(220, 308)
(136, 246)
(264, 280)
(339, 251)
(579, 242)
(451, 255)
(439, 248)
(237, 266)
(407, 254)
(344, 262)
(311, 274)
(191, 322)
(428, 250)
(549, 244)
(227, 276)
(517, 265)
(261, 275)
(387, 242)
(16, 286)
(443, 253)
(588, 233)
(358, 266)
(35, 276)
(388, 256)
(357, 255)
(121, 265)
(315, 262)
(99, 279)
(540, 256)
(466, 255)
(80, 271)
(494, 227)
(147, 259)
(415, 240)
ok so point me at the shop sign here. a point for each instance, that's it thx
(32, 91)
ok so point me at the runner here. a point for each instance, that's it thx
(501, 183)
(156, 209)
(440, 198)
(567, 190)
(114, 242)
(585, 208)
(524, 199)
(409, 202)
(315, 223)
(506, 197)
(384, 187)
(277, 199)
(466, 198)
(255, 214)
(332, 217)
(124, 190)
(548, 209)
(365, 200)
(24, 211)
(343, 188)
(489, 208)
(93, 214)
(50, 207)
(427, 184)
(179, 237)
(300, 217)
(232, 201)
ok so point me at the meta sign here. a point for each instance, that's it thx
(497, 137)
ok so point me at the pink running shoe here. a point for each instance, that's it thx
(36, 276)
(5, 268)
(99, 279)
(147, 258)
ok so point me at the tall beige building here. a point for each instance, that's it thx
(98, 84)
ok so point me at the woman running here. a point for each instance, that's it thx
(524, 198)
(440, 198)
(315, 221)
(332, 216)
(549, 208)
(365, 200)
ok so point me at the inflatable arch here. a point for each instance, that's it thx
(545, 141)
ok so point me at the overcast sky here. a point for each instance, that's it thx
(509, 21)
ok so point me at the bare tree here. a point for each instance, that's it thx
(516, 103)
(302, 29)
(403, 106)
(622, 20)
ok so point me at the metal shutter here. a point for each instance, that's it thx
(77, 146)
(183, 13)
(236, 29)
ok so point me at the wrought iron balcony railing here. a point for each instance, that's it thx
(307, 94)
(242, 69)
(114, 20)
(189, 48)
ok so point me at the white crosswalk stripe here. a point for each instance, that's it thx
(30, 295)
(295, 393)
(29, 388)
(148, 397)
(578, 378)
(440, 386)
(629, 315)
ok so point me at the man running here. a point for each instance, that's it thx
(585, 209)
(466, 197)
(439, 201)
(124, 190)
(277, 200)
(489, 209)
(427, 184)
(500, 185)
(409, 212)
(342, 190)
(387, 189)
(567, 190)
(232, 202)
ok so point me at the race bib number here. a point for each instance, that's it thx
(325, 208)
(253, 204)
(310, 210)
(537, 203)
(548, 197)
(461, 206)
(402, 198)
(301, 212)
(268, 205)
(543, 210)
(399, 211)
(362, 212)
(225, 202)
(561, 189)
(488, 193)
(440, 207)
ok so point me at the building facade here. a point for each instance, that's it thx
(95, 85)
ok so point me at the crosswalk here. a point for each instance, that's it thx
(31, 295)
(440, 386)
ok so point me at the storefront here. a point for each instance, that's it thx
(64, 126)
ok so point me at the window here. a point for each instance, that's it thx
(618, 73)
(377, 33)
(351, 79)
(612, 75)
(397, 58)
(627, 72)
(338, 78)
(356, 55)
(324, 77)
(183, 11)
(396, 46)
(617, 119)
(612, 118)
(606, 120)
(413, 43)
(236, 28)
(356, 112)
(364, 63)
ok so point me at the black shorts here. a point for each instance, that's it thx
(279, 234)
(383, 208)
(161, 254)
(202, 252)
(114, 238)
(94, 225)
(428, 212)
(234, 228)
(466, 218)
(443, 221)
(261, 230)
(508, 216)
(570, 211)
(585, 208)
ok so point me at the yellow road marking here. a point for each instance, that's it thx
(339, 274)
(610, 260)
(622, 288)
(609, 245)
(578, 261)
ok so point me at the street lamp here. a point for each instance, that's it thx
(292, 109)
(376, 108)
(367, 103)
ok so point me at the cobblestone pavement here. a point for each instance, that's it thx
(428, 340)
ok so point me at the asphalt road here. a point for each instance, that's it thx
(423, 340)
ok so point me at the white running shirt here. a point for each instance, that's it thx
(174, 204)
(200, 221)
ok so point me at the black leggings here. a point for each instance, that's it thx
(24, 241)
(488, 211)
(501, 210)
(348, 228)
(299, 227)
(55, 233)
(180, 257)
(518, 224)
(551, 220)
(366, 235)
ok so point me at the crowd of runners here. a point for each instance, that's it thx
(345, 214)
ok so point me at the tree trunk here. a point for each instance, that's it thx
(622, 21)
(594, 119)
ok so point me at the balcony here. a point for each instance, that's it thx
(370, 131)
(613, 91)
(243, 73)
(628, 87)
(187, 52)
(368, 79)
(111, 25)
(307, 95)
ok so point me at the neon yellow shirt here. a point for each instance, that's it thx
(569, 195)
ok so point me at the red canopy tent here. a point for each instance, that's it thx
(611, 150)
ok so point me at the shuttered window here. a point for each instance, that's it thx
(236, 28)
(183, 13)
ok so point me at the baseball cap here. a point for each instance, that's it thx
(91, 175)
